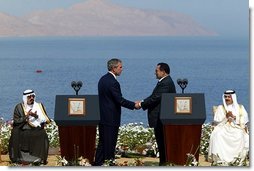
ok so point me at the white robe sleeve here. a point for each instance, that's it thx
(220, 114)
(244, 118)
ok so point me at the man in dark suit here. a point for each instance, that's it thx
(153, 104)
(110, 102)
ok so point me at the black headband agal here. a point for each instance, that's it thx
(230, 92)
(30, 92)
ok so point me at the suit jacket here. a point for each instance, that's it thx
(153, 102)
(111, 100)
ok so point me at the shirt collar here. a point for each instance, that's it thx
(162, 78)
(112, 74)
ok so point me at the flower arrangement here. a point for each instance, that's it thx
(5, 134)
(133, 138)
(61, 161)
(52, 131)
(205, 136)
(137, 162)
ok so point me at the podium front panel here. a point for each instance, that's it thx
(71, 110)
(183, 109)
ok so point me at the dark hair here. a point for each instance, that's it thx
(164, 67)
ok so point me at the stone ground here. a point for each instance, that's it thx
(148, 161)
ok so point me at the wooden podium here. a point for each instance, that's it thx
(77, 118)
(182, 116)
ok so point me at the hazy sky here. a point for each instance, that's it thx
(226, 17)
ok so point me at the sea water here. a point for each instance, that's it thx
(211, 65)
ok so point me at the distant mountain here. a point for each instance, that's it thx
(13, 26)
(100, 18)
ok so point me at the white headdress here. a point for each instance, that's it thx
(27, 93)
(235, 104)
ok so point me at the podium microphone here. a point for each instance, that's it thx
(76, 86)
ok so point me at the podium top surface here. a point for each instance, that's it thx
(77, 110)
(183, 109)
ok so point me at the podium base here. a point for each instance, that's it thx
(181, 140)
(77, 141)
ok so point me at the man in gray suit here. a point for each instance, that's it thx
(153, 104)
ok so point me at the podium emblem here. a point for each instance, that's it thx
(183, 105)
(76, 106)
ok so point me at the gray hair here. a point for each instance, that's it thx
(112, 63)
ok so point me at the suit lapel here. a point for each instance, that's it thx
(157, 85)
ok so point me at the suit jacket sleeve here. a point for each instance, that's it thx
(117, 95)
(155, 98)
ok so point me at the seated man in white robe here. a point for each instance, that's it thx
(29, 141)
(229, 139)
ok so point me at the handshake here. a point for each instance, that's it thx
(137, 105)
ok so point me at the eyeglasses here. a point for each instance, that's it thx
(31, 96)
(227, 96)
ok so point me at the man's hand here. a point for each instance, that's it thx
(230, 116)
(137, 105)
(33, 114)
